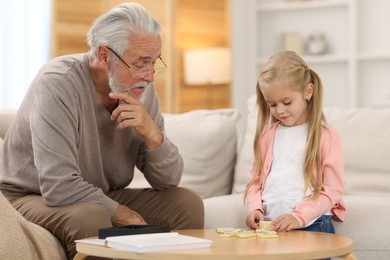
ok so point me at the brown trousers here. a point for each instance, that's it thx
(180, 208)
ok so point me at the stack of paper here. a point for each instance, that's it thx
(156, 242)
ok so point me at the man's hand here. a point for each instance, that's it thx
(285, 222)
(132, 113)
(124, 216)
(253, 218)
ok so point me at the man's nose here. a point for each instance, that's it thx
(149, 76)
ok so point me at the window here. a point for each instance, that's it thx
(24, 45)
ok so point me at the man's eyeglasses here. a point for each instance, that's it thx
(157, 68)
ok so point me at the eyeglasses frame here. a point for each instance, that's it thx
(142, 74)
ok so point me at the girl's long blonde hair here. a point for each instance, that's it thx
(289, 66)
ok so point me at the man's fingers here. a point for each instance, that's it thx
(125, 97)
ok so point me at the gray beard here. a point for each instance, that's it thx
(115, 86)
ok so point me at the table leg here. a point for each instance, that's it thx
(349, 256)
(80, 256)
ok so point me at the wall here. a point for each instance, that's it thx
(200, 24)
(185, 24)
(243, 86)
(365, 78)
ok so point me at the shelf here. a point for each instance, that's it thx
(373, 56)
(355, 70)
(299, 5)
(334, 18)
(325, 58)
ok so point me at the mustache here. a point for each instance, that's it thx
(141, 84)
(115, 88)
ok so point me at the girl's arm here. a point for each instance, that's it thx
(332, 165)
(253, 197)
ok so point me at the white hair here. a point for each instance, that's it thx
(115, 28)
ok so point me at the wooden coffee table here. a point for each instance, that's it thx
(289, 245)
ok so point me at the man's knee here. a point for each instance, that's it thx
(87, 218)
(81, 221)
(190, 207)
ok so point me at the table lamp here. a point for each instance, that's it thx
(207, 66)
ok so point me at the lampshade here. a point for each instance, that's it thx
(207, 66)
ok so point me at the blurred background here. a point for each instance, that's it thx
(214, 49)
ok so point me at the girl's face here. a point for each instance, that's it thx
(286, 104)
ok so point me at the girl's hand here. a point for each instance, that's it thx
(253, 219)
(285, 222)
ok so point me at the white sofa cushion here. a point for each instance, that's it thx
(364, 133)
(1, 146)
(6, 118)
(245, 152)
(207, 141)
(365, 225)
(225, 211)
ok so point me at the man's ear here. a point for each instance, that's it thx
(103, 58)
(309, 91)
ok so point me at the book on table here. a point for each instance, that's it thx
(156, 242)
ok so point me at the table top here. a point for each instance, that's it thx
(289, 245)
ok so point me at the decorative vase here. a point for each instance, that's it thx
(316, 44)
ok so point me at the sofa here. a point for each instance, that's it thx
(216, 163)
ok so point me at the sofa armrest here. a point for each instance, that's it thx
(6, 118)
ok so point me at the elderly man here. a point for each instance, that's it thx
(85, 123)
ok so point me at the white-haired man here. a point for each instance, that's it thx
(85, 123)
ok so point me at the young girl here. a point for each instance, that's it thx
(296, 179)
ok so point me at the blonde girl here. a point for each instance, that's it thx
(296, 178)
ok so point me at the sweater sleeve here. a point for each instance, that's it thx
(54, 122)
(332, 165)
(162, 166)
(253, 199)
(254, 196)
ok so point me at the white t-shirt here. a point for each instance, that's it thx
(284, 185)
